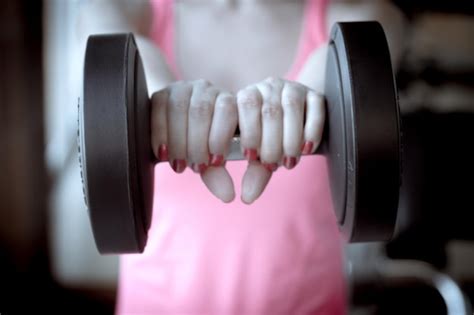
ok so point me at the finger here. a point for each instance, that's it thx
(254, 182)
(249, 104)
(159, 125)
(199, 124)
(177, 116)
(271, 148)
(219, 182)
(292, 100)
(224, 123)
(314, 125)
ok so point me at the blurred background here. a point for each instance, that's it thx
(48, 259)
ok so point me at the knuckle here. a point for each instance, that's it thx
(179, 97)
(271, 111)
(265, 89)
(248, 99)
(179, 104)
(295, 88)
(292, 103)
(225, 102)
(200, 109)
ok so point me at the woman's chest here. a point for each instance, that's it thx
(235, 47)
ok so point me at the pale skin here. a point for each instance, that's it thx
(248, 46)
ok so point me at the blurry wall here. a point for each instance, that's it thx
(75, 260)
(22, 177)
(437, 76)
(437, 73)
(23, 183)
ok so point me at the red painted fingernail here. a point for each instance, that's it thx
(199, 168)
(289, 162)
(216, 159)
(307, 147)
(271, 167)
(250, 154)
(179, 166)
(163, 153)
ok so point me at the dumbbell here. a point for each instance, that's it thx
(361, 138)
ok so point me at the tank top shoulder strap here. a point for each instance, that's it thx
(316, 16)
(314, 33)
(162, 31)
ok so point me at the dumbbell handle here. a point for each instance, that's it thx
(235, 153)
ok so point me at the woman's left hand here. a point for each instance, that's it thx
(279, 120)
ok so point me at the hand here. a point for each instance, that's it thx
(193, 123)
(274, 129)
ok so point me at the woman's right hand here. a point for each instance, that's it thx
(192, 123)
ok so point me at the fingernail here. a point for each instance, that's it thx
(216, 159)
(250, 154)
(179, 166)
(289, 162)
(199, 168)
(163, 153)
(271, 167)
(307, 147)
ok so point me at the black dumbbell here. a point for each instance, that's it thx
(361, 138)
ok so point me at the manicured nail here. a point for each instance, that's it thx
(179, 165)
(163, 153)
(289, 162)
(216, 159)
(250, 154)
(199, 168)
(271, 167)
(307, 147)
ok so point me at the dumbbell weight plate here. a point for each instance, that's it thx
(363, 136)
(116, 159)
(360, 139)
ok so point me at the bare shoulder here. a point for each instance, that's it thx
(117, 15)
(380, 10)
(385, 12)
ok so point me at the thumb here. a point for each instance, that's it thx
(255, 180)
(219, 182)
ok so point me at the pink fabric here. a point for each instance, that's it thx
(280, 255)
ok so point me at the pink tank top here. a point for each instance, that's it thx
(280, 255)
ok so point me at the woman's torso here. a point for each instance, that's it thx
(279, 255)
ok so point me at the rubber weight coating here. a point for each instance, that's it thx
(361, 138)
(117, 164)
(363, 113)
